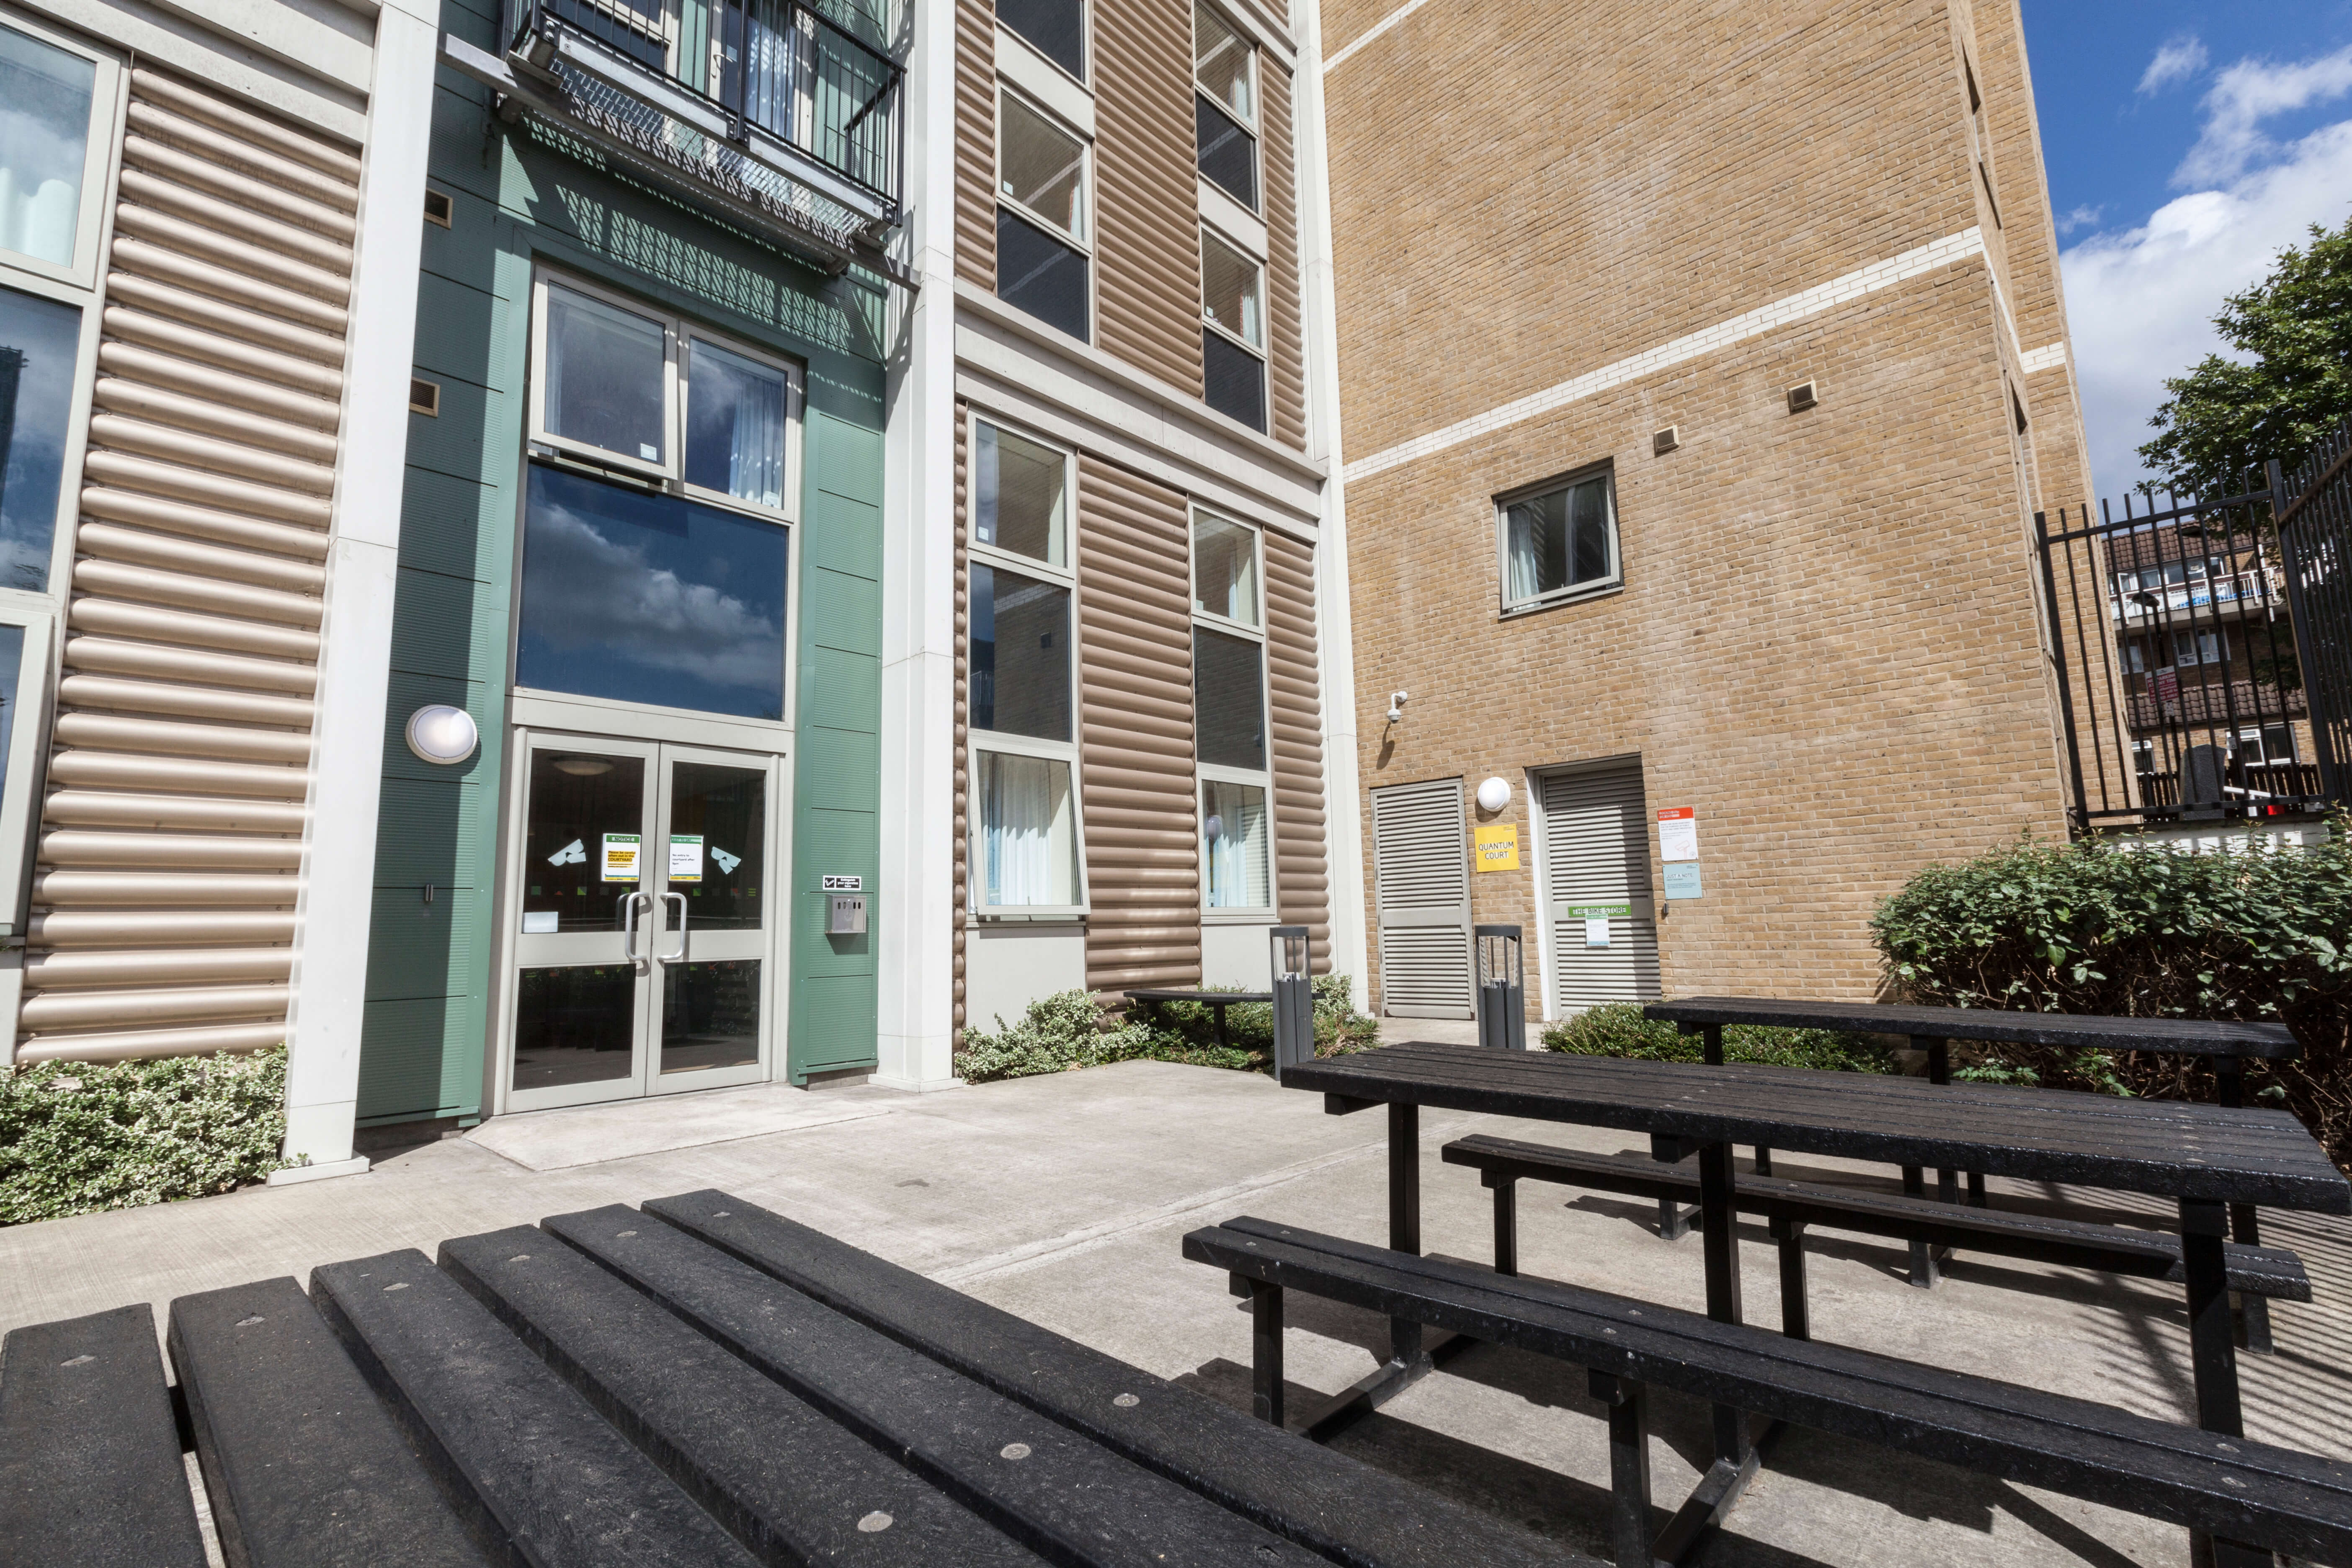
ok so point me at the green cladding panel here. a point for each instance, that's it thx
(517, 198)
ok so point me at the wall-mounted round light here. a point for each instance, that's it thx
(1494, 795)
(440, 733)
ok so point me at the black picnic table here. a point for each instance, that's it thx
(1215, 1001)
(2227, 1043)
(699, 1382)
(2206, 1157)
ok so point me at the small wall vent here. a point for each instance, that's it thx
(1801, 397)
(423, 396)
(1666, 440)
(438, 207)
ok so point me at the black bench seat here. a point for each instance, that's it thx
(1327, 1502)
(1791, 1206)
(2232, 1487)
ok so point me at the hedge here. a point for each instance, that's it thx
(2093, 927)
(1618, 1029)
(80, 1136)
(1071, 1030)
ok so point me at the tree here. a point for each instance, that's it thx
(2227, 417)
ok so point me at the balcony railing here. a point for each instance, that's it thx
(778, 114)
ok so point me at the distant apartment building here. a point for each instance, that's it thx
(568, 551)
(1696, 408)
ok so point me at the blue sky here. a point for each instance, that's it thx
(2184, 143)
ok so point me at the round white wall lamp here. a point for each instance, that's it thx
(1494, 795)
(440, 733)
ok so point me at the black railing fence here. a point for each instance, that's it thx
(816, 78)
(2201, 650)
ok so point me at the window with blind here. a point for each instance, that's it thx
(1229, 721)
(1557, 541)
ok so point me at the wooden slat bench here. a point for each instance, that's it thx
(1790, 1208)
(2231, 1486)
(90, 1450)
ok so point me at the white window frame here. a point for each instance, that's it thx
(2196, 635)
(1085, 45)
(1253, 122)
(1209, 232)
(674, 457)
(106, 101)
(690, 332)
(20, 791)
(1206, 773)
(1575, 592)
(1083, 244)
(1001, 742)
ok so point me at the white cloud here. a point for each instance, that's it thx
(2080, 218)
(2241, 98)
(2179, 58)
(2140, 303)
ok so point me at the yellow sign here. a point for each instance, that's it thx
(1498, 848)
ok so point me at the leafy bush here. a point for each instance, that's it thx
(2090, 927)
(80, 1136)
(1070, 1031)
(1618, 1029)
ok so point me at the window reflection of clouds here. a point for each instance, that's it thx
(39, 340)
(650, 599)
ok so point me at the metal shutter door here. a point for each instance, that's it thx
(1597, 851)
(163, 904)
(1421, 880)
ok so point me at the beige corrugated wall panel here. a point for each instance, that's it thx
(1302, 871)
(1135, 732)
(962, 708)
(170, 844)
(1285, 367)
(1147, 195)
(975, 146)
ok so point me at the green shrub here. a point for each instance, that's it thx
(2092, 928)
(1618, 1029)
(1070, 1031)
(80, 1136)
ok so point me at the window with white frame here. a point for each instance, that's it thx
(2208, 646)
(657, 512)
(1557, 541)
(1044, 256)
(1228, 718)
(1025, 856)
(1057, 28)
(1225, 105)
(59, 103)
(1232, 332)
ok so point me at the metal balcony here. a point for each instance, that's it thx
(775, 114)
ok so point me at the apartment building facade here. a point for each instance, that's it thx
(1715, 571)
(592, 549)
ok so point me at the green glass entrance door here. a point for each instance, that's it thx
(644, 908)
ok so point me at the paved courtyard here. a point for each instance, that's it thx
(1063, 1199)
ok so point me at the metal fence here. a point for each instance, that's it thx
(2202, 650)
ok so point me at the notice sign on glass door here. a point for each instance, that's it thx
(620, 858)
(686, 857)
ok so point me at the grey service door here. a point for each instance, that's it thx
(1596, 866)
(1421, 881)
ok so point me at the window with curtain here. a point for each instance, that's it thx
(46, 95)
(1560, 542)
(1019, 707)
(1233, 847)
(1232, 332)
(1229, 720)
(1042, 218)
(1225, 569)
(1224, 106)
(736, 410)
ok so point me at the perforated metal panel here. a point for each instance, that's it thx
(1420, 884)
(1597, 854)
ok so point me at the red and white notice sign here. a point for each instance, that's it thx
(1677, 833)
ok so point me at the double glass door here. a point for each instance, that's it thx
(645, 903)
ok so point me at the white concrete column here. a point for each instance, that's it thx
(915, 940)
(1342, 808)
(355, 659)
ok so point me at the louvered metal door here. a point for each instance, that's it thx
(1596, 866)
(1421, 878)
(170, 845)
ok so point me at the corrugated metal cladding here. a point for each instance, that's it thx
(975, 146)
(1421, 886)
(1597, 851)
(1285, 367)
(1135, 684)
(1302, 875)
(1147, 230)
(170, 845)
(962, 707)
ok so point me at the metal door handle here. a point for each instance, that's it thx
(628, 911)
(674, 957)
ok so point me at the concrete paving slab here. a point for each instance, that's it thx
(1063, 1198)
(623, 1130)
